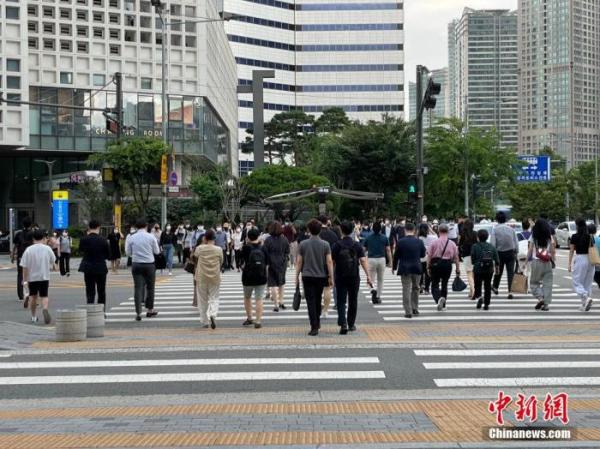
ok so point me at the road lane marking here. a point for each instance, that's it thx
(504, 352)
(541, 316)
(191, 377)
(511, 365)
(517, 382)
(191, 362)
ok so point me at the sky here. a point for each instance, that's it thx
(426, 29)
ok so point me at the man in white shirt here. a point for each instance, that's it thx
(453, 231)
(142, 247)
(37, 260)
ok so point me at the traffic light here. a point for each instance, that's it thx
(156, 3)
(112, 125)
(412, 192)
(433, 89)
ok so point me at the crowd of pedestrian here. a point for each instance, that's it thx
(326, 259)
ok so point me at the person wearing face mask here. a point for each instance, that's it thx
(188, 233)
(179, 234)
(53, 244)
(249, 225)
(221, 242)
(132, 230)
(156, 232)
(197, 236)
(64, 253)
(114, 240)
(168, 239)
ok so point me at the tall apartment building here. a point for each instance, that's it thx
(65, 52)
(483, 71)
(324, 52)
(559, 78)
(442, 107)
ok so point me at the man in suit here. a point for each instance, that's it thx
(95, 251)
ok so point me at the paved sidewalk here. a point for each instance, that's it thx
(267, 424)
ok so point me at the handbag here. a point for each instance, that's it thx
(593, 254)
(190, 267)
(160, 261)
(437, 261)
(520, 283)
(458, 285)
(297, 299)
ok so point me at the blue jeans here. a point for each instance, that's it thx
(168, 250)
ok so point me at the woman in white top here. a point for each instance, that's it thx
(427, 236)
(238, 244)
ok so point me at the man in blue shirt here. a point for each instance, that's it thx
(378, 249)
(142, 247)
(407, 262)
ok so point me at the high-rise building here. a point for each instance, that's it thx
(442, 107)
(559, 78)
(483, 53)
(65, 53)
(325, 53)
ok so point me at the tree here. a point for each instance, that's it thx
(374, 157)
(271, 180)
(286, 135)
(136, 162)
(332, 120)
(219, 191)
(582, 185)
(95, 202)
(453, 151)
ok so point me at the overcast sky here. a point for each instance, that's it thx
(426, 28)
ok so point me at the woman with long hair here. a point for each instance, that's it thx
(579, 264)
(278, 251)
(541, 253)
(466, 239)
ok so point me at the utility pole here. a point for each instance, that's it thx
(420, 175)
(118, 80)
(426, 101)
(50, 165)
(159, 7)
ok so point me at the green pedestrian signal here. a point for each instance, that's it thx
(412, 189)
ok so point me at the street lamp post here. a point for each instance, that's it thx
(159, 7)
(50, 165)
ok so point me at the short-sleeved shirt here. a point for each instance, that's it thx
(376, 245)
(247, 279)
(22, 240)
(329, 236)
(348, 243)
(38, 259)
(582, 243)
(314, 253)
(437, 249)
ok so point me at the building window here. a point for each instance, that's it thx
(13, 97)
(65, 13)
(66, 78)
(49, 28)
(81, 15)
(48, 11)
(13, 82)
(65, 45)
(114, 18)
(32, 10)
(82, 47)
(99, 32)
(13, 65)
(115, 49)
(114, 34)
(65, 30)
(97, 2)
(12, 12)
(114, 3)
(32, 42)
(98, 17)
(48, 44)
(32, 26)
(98, 79)
(146, 83)
(82, 31)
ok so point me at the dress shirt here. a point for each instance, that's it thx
(142, 247)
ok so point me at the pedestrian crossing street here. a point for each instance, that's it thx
(173, 300)
(459, 307)
(518, 367)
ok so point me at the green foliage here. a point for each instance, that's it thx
(332, 120)
(96, 204)
(271, 180)
(582, 180)
(206, 188)
(449, 148)
(136, 162)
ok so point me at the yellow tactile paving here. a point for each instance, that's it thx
(456, 420)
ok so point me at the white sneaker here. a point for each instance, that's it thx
(581, 308)
(324, 316)
(170, 273)
(34, 319)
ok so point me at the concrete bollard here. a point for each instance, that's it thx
(71, 325)
(95, 319)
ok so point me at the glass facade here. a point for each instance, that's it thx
(194, 126)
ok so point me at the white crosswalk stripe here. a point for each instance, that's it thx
(216, 370)
(459, 307)
(173, 300)
(561, 366)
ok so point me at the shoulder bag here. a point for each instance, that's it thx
(593, 254)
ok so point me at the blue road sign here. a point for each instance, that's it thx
(538, 169)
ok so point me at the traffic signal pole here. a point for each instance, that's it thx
(420, 156)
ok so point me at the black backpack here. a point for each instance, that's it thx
(257, 264)
(487, 260)
(347, 262)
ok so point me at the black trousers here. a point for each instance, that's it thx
(483, 280)
(347, 292)
(597, 278)
(186, 254)
(20, 280)
(507, 258)
(313, 291)
(95, 282)
(64, 262)
(440, 275)
(238, 258)
(144, 277)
